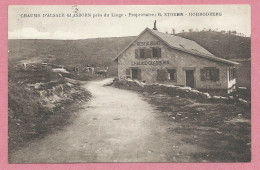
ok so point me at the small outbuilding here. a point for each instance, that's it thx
(155, 57)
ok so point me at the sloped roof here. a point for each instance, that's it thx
(182, 44)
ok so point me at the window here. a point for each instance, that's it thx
(172, 74)
(148, 53)
(166, 75)
(142, 53)
(133, 73)
(156, 52)
(209, 74)
(232, 73)
(128, 73)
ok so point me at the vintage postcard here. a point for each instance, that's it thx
(129, 83)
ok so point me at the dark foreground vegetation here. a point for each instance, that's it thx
(40, 101)
(221, 127)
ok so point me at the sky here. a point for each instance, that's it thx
(21, 25)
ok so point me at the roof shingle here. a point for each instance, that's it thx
(179, 42)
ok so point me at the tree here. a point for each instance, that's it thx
(173, 31)
(234, 32)
(190, 30)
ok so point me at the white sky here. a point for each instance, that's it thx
(234, 17)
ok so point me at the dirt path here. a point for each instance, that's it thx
(115, 126)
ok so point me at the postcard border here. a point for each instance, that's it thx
(255, 77)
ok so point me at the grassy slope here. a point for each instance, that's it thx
(222, 45)
(29, 113)
(101, 51)
(98, 52)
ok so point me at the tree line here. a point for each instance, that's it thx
(230, 32)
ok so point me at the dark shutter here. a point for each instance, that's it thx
(202, 74)
(142, 53)
(175, 75)
(229, 75)
(216, 74)
(234, 72)
(139, 74)
(137, 53)
(156, 52)
(148, 53)
(159, 52)
(162, 74)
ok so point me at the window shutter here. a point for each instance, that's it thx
(175, 75)
(139, 74)
(235, 72)
(202, 74)
(162, 74)
(148, 53)
(229, 75)
(216, 74)
(159, 52)
(141, 53)
(137, 53)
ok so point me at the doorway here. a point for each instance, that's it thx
(190, 78)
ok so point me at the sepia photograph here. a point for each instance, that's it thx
(129, 83)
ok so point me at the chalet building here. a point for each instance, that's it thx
(155, 57)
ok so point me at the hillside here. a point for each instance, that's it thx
(70, 51)
(221, 45)
(96, 52)
(99, 52)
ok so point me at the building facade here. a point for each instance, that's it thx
(155, 57)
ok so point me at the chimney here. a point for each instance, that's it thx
(154, 25)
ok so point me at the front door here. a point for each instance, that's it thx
(136, 73)
(190, 78)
